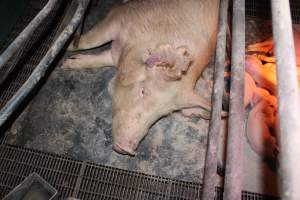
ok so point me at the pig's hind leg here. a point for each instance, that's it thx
(102, 33)
(82, 61)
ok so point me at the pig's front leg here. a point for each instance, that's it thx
(195, 105)
(103, 32)
(81, 61)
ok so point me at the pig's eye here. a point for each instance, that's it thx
(143, 92)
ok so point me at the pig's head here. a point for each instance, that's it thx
(145, 90)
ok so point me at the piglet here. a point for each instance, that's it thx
(267, 46)
(262, 126)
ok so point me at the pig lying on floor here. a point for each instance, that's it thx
(160, 48)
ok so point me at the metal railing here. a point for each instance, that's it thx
(289, 101)
(289, 105)
(43, 66)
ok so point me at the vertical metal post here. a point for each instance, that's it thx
(289, 102)
(210, 179)
(234, 153)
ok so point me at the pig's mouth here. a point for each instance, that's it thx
(122, 150)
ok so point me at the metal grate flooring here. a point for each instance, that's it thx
(262, 8)
(24, 62)
(89, 181)
(17, 163)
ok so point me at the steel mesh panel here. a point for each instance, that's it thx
(22, 21)
(24, 62)
(262, 8)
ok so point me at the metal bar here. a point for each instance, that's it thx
(42, 67)
(210, 168)
(79, 179)
(25, 34)
(234, 155)
(289, 104)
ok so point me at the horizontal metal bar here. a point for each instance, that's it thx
(236, 129)
(42, 67)
(289, 101)
(210, 168)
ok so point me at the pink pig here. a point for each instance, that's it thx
(160, 48)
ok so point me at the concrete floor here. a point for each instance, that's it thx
(71, 115)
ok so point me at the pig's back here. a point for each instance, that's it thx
(176, 21)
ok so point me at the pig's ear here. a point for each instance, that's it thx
(171, 63)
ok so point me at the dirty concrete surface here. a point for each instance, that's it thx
(71, 115)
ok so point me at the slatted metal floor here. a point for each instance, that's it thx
(89, 181)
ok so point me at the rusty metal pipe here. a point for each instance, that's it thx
(289, 104)
(236, 129)
(42, 67)
(210, 168)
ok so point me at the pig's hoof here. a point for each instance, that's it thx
(74, 62)
(122, 151)
(196, 112)
(72, 46)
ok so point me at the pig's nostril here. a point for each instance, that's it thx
(120, 150)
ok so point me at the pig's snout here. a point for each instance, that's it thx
(117, 148)
(125, 142)
(128, 130)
